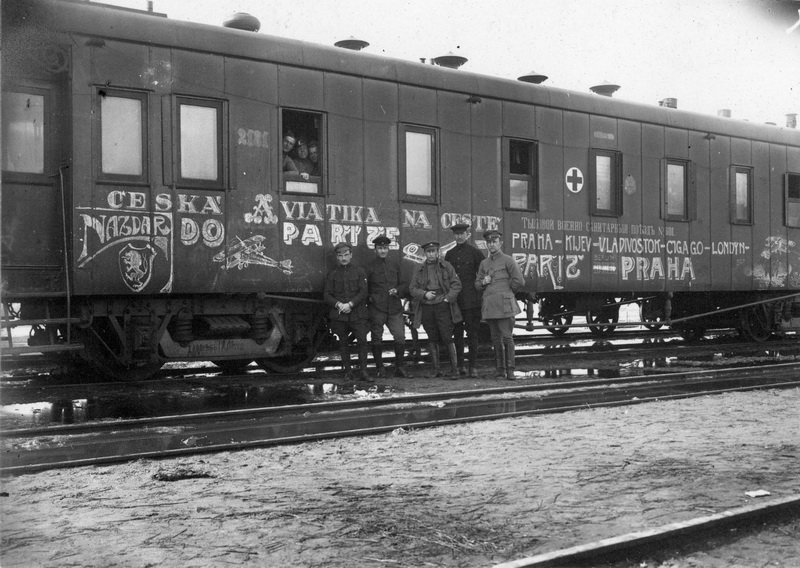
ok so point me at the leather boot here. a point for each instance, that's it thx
(434, 348)
(399, 360)
(499, 361)
(362, 363)
(345, 354)
(510, 360)
(377, 356)
(472, 358)
(458, 342)
(455, 371)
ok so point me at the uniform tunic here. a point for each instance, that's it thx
(498, 297)
(466, 259)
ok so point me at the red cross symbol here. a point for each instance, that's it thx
(574, 180)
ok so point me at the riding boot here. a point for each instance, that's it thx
(510, 360)
(499, 361)
(377, 356)
(458, 343)
(472, 358)
(362, 363)
(434, 348)
(345, 353)
(399, 359)
(455, 367)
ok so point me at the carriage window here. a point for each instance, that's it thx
(418, 163)
(23, 132)
(793, 200)
(522, 181)
(302, 151)
(200, 142)
(605, 188)
(742, 195)
(122, 134)
(676, 191)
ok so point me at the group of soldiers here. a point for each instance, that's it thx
(450, 297)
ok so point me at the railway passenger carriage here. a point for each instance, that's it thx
(146, 216)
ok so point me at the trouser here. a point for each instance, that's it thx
(396, 325)
(359, 328)
(471, 325)
(503, 343)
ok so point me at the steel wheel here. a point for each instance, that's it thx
(652, 311)
(602, 323)
(756, 323)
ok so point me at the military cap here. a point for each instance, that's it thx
(492, 233)
(382, 241)
(341, 247)
(459, 227)
(431, 244)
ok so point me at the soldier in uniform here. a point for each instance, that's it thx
(466, 259)
(434, 288)
(346, 293)
(500, 278)
(386, 289)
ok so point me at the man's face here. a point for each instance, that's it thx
(343, 257)
(302, 151)
(313, 154)
(382, 251)
(431, 254)
(494, 244)
(288, 143)
(461, 237)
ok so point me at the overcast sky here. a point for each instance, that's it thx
(742, 55)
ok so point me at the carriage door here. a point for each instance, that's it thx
(34, 178)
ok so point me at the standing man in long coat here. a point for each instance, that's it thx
(499, 277)
(466, 259)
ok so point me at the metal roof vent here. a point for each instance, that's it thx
(533, 77)
(605, 88)
(243, 21)
(724, 112)
(669, 102)
(451, 60)
(352, 43)
(791, 120)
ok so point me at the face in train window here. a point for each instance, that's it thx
(23, 132)
(301, 161)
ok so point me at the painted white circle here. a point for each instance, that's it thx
(574, 180)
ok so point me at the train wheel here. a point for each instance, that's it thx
(233, 366)
(604, 322)
(301, 356)
(755, 323)
(559, 322)
(689, 332)
(652, 312)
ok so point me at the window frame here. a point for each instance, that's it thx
(616, 182)
(687, 199)
(47, 150)
(789, 200)
(142, 96)
(221, 181)
(433, 132)
(734, 219)
(532, 178)
(321, 180)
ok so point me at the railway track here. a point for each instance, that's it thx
(37, 449)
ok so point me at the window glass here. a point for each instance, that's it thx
(121, 135)
(518, 197)
(793, 200)
(199, 142)
(23, 132)
(604, 183)
(676, 190)
(419, 156)
(742, 196)
(302, 151)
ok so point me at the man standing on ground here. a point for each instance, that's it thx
(435, 287)
(466, 259)
(386, 290)
(346, 293)
(500, 278)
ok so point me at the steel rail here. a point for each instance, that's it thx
(185, 435)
